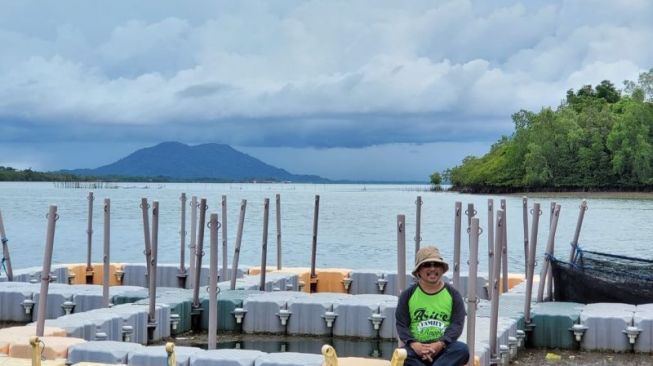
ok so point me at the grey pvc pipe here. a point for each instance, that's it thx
(579, 224)
(551, 212)
(146, 233)
(316, 213)
(504, 249)
(494, 315)
(106, 259)
(549, 251)
(213, 282)
(456, 244)
(524, 206)
(193, 238)
(182, 237)
(239, 237)
(225, 248)
(199, 252)
(154, 261)
(89, 232)
(471, 287)
(278, 217)
(264, 243)
(401, 253)
(418, 223)
(5, 250)
(45, 271)
(490, 246)
(531, 261)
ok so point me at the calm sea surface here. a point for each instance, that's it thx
(357, 223)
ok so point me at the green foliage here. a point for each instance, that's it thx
(597, 139)
(436, 178)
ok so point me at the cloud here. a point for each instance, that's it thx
(298, 74)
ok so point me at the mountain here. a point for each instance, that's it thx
(175, 160)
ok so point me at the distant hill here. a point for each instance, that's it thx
(213, 162)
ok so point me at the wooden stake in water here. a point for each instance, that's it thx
(146, 233)
(456, 244)
(106, 259)
(418, 223)
(225, 249)
(471, 285)
(213, 282)
(278, 217)
(181, 275)
(579, 224)
(264, 243)
(89, 239)
(504, 249)
(536, 212)
(401, 253)
(6, 259)
(494, 318)
(316, 213)
(199, 252)
(153, 269)
(193, 238)
(490, 246)
(239, 237)
(549, 253)
(45, 270)
(524, 204)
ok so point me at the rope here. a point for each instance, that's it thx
(4, 266)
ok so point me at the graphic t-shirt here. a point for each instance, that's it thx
(430, 314)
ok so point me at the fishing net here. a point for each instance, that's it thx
(600, 277)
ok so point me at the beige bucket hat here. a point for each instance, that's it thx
(428, 254)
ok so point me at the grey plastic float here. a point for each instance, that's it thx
(605, 324)
(289, 359)
(225, 357)
(105, 352)
(157, 356)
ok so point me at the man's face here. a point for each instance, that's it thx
(431, 272)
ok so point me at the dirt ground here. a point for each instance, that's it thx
(577, 358)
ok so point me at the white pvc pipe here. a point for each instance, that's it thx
(456, 244)
(524, 204)
(316, 213)
(182, 242)
(153, 261)
(213, 282)
(549, 252)
(199, 252)
(278, 217)
(193, 239)
(490, 246)
(225, 249)
(401, 253)
(45, 271)
(89, 233)
(106, 259)
(264, 242)
(531, 261)
(579, 224)
(471, 288)
(5, 250)
(494, 316)
(146, 233)
(418, 223)
(239, 237)
(504, 249)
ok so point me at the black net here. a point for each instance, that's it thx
(600, 277)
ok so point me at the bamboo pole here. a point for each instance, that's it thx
(193, 238)
(316, 213)
(536, 212)
(490, 246)
(549, 252)
(239, 236)
(278, 219)
(146, 233)
(456, 244)
(264, 242)
(199, 252)
(106, 259)
(225, 248)
(182, 275)
(471, 288)
(45, 270)
(213, 282)
(418, 223)
(504, 249)
(524, 205)
(89, 239)
(494, 319)
(401, 253)
(579, 224)
(5, 251)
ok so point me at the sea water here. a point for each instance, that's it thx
(357, 224)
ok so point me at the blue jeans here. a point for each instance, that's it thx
(455, 354)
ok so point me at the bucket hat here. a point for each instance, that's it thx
(429, 254)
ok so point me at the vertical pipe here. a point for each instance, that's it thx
(531, 261)
(574, 241)
(89, 238)
(524, 205)
(239, 236)
(456, 244)
(316, 213)
(490, 246)
(199, 252)
(418, 223)
(223, 226)
(551, 212)
(106, 260)
(264, 243)
(498, 239)
(504, 249)
(401, 253)
(153, 262)
(45, 271)
(278, 217)
(146, 232)
(5, 251)
(213, 282)
(549, 252)
(182, 243)
(193, 238)
(471, 287)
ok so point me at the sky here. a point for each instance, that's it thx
(361, 90)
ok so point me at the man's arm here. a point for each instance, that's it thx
(455, 329)
(402, 317)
